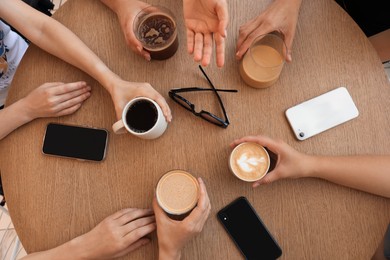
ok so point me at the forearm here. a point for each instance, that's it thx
(13, 117)
(114, 5)
(367, 173)
(69, 250)
(295, 3)
(57, 40)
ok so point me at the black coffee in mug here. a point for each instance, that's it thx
(141, 116)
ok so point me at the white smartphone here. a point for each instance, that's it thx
(321, 113)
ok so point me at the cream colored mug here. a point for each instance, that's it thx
(143, 118)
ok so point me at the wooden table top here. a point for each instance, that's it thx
(52, 200)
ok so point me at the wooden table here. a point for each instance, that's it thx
(52, 200)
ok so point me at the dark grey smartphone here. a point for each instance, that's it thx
(75, 142)
(248, 231)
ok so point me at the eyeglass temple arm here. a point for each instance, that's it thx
(219, 98)
(204, 74)
(178, 90)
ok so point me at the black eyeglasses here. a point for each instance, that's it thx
(203, 114)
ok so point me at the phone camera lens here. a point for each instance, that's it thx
(301, 134)
(225, 218)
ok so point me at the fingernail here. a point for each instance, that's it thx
(237, 54)
(139, 48)
(147, 57)
(256, 185)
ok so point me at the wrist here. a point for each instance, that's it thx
(24, 111)
(165, 253)
(78, 248)
(311, 166)
(106, 77)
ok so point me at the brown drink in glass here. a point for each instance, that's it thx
(155, 28)
(264, 60)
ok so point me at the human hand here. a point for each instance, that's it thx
(117, 235)
(280, 15)
(126, 12)
(206, 20)
(290, 163)
(174, 235)
(124, 91)
(55, 99)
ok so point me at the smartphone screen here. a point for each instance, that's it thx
(248, 231)
(75, 142)
(321, 113)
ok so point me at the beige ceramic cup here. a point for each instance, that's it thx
(177, 193)
(262, 63)
(249, 161)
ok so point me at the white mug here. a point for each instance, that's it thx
(153, 131)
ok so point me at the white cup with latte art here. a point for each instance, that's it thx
(249, 161)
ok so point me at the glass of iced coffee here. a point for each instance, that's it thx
(155, 28)
(263, 62)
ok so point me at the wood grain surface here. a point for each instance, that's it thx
(52, 200)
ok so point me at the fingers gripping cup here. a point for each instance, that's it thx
(142, 117)
(155, 28)
(263, 62)
(249, 161)
(177, 193)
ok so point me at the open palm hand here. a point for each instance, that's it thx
(206, 21)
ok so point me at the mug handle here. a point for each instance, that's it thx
(118, 127)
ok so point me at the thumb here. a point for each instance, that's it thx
(156, 208)
(223, 17)
(289, 41)
(161, 217)
(267, 179)
(136, 45)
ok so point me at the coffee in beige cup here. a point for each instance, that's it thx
(249, 161)
(177, 193)
(264, 60)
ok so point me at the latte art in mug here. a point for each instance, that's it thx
(249, 161)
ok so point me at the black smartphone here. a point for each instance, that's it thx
(248, 231)
(78, 142)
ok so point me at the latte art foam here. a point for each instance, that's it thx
(249, 161)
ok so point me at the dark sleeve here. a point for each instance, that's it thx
(372, 16)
